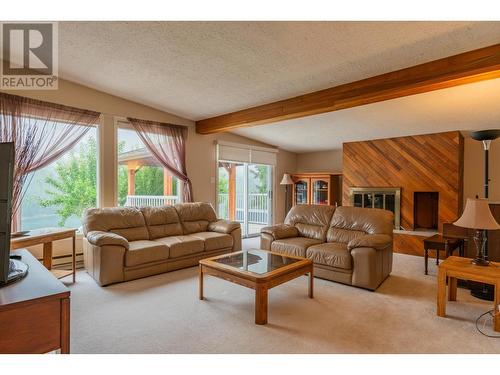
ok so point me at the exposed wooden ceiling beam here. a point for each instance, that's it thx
(468, 67)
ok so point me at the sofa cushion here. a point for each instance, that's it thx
(182, 245)
(145, 251)
(127, 222)
(311, 220)
(296, 246)
(343, 235)
(162, 221)
(333, 254)
(214, 240)
(195, 217)
(349, 223)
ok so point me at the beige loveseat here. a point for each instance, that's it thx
(126, 243)
(347, 244)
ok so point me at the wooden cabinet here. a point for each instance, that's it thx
(317, 188)
(34, 312)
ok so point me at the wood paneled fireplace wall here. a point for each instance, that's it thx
(428, 169)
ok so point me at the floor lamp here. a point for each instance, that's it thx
(286, 180)
(485, 291)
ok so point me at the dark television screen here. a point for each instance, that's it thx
(6, 181)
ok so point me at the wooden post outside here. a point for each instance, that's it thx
(167, 183)
(131, 181)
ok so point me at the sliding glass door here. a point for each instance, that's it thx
(245, 194)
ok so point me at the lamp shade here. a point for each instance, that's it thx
(286, 180)
(477, 215)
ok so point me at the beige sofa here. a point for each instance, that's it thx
(127, 243)
(347, 244)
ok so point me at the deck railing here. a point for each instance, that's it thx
(257, 207)
(150, 200)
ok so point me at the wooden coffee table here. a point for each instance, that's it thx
(260, 270)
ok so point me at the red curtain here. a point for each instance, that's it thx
(42, 132)
(167, 143)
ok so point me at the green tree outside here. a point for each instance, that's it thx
(259, 173)
(73, 187)
(223, 184)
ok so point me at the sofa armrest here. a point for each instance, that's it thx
(223, 226)
(98, 238)
(375, 241)
(281, 231)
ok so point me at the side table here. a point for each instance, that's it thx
(439, 243)
(455, 268)
(45, 237)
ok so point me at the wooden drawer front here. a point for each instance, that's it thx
(33, 328)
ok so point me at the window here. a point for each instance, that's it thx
(60, 192)
(142, 180)
(245, 185)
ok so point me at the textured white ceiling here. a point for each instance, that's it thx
(469, 107)
(201, 69)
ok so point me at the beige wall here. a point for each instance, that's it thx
(200, 148)
(474, 169)
(287, 163)
(322, 161)
(76, 95)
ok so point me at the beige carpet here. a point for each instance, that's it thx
(162, 314)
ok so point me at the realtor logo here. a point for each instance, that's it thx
(29, 56)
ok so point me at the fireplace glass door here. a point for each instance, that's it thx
(383, 198)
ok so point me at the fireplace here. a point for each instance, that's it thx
(373, 197)
(425, 210)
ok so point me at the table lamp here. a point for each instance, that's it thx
(477, 215)
(286, 180)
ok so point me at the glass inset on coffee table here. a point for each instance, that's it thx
(260, 270)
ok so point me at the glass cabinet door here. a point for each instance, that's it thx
(320, 192)
(301, 191)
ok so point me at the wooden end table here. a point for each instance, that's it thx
(454, 268)
(260, 270)
(45, 237)
(438, 242)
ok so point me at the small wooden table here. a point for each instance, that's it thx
(34, 312)
(45, 237)
(438, 242)
(455, 268)
(260, 270)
